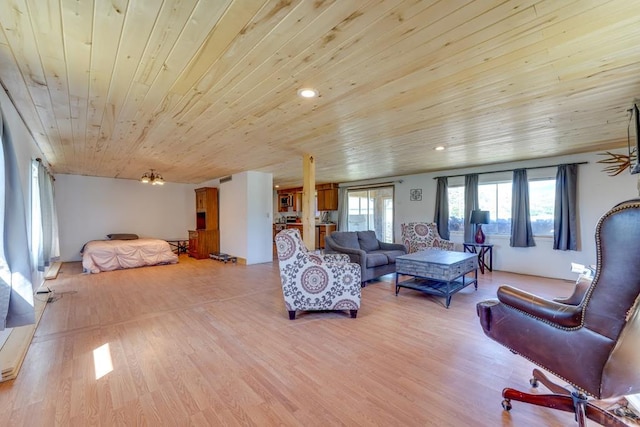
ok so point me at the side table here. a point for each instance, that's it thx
(484, 251)
(179, 245)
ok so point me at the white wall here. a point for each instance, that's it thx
(597, 193)
(233, 216)
(246, 218)
(89, 208)
(260, 217)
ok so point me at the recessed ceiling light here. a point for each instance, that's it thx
(439, 148)
(277, 186)
(307, 92)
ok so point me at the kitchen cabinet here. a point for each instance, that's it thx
(278, 228)
(327, 195)
(290, 200)
(297, 201)
(297, 226)
(284, 202)
(321, 231)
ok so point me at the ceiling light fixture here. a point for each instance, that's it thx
(152, 177)
(307, 92)
(439, 148)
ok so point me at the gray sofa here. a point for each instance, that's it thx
(376, 258)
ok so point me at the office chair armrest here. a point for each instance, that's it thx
(563, 315)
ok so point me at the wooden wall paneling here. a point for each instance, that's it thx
(77, 21)
(180, 99)
(11, 76)
(225, 73)
(134, 38)
(255, 76)
(108, 19)
(302, 48)
(108, 87)
(170, 21)
(18, 32)
(47, 27)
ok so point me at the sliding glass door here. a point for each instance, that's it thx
(372, 209)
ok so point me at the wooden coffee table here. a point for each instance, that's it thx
(436, 272)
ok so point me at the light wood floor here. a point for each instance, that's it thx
(207, 343)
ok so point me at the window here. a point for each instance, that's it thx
(496, 198)
(456, 209)
(372, 209)
(542, 200)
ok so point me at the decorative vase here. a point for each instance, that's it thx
(479, 235)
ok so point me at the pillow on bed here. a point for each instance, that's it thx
(122, 236)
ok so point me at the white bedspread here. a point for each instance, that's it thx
(107, 255)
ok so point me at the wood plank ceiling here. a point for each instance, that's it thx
(200, 89)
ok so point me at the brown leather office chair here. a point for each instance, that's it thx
(593, 345)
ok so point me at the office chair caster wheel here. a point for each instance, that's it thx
(506, 405)
(533, 382)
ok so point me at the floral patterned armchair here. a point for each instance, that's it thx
(316, 282)
(417, 236)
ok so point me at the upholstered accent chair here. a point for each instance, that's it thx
(315, 282)
(417, 236)
(590, 340)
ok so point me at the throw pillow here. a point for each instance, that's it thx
(347, 239)
(368, 241)
(122, 236)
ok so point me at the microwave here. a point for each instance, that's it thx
(286, 200)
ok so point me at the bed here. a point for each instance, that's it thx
(115, 254)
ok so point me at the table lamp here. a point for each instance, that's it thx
(478, 218)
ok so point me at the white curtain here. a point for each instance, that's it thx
(16, 291)
(48, 245)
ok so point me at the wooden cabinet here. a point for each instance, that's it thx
(290, 200)
(207, 208)
(297, 201)
(203, 242)
(328, 200)
(327, 195)
(205, 239)
(321, 231)
(298, 226)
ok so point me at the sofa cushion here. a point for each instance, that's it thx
(347, 239)
(368, 241)
(376, 259)
(392, 255)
